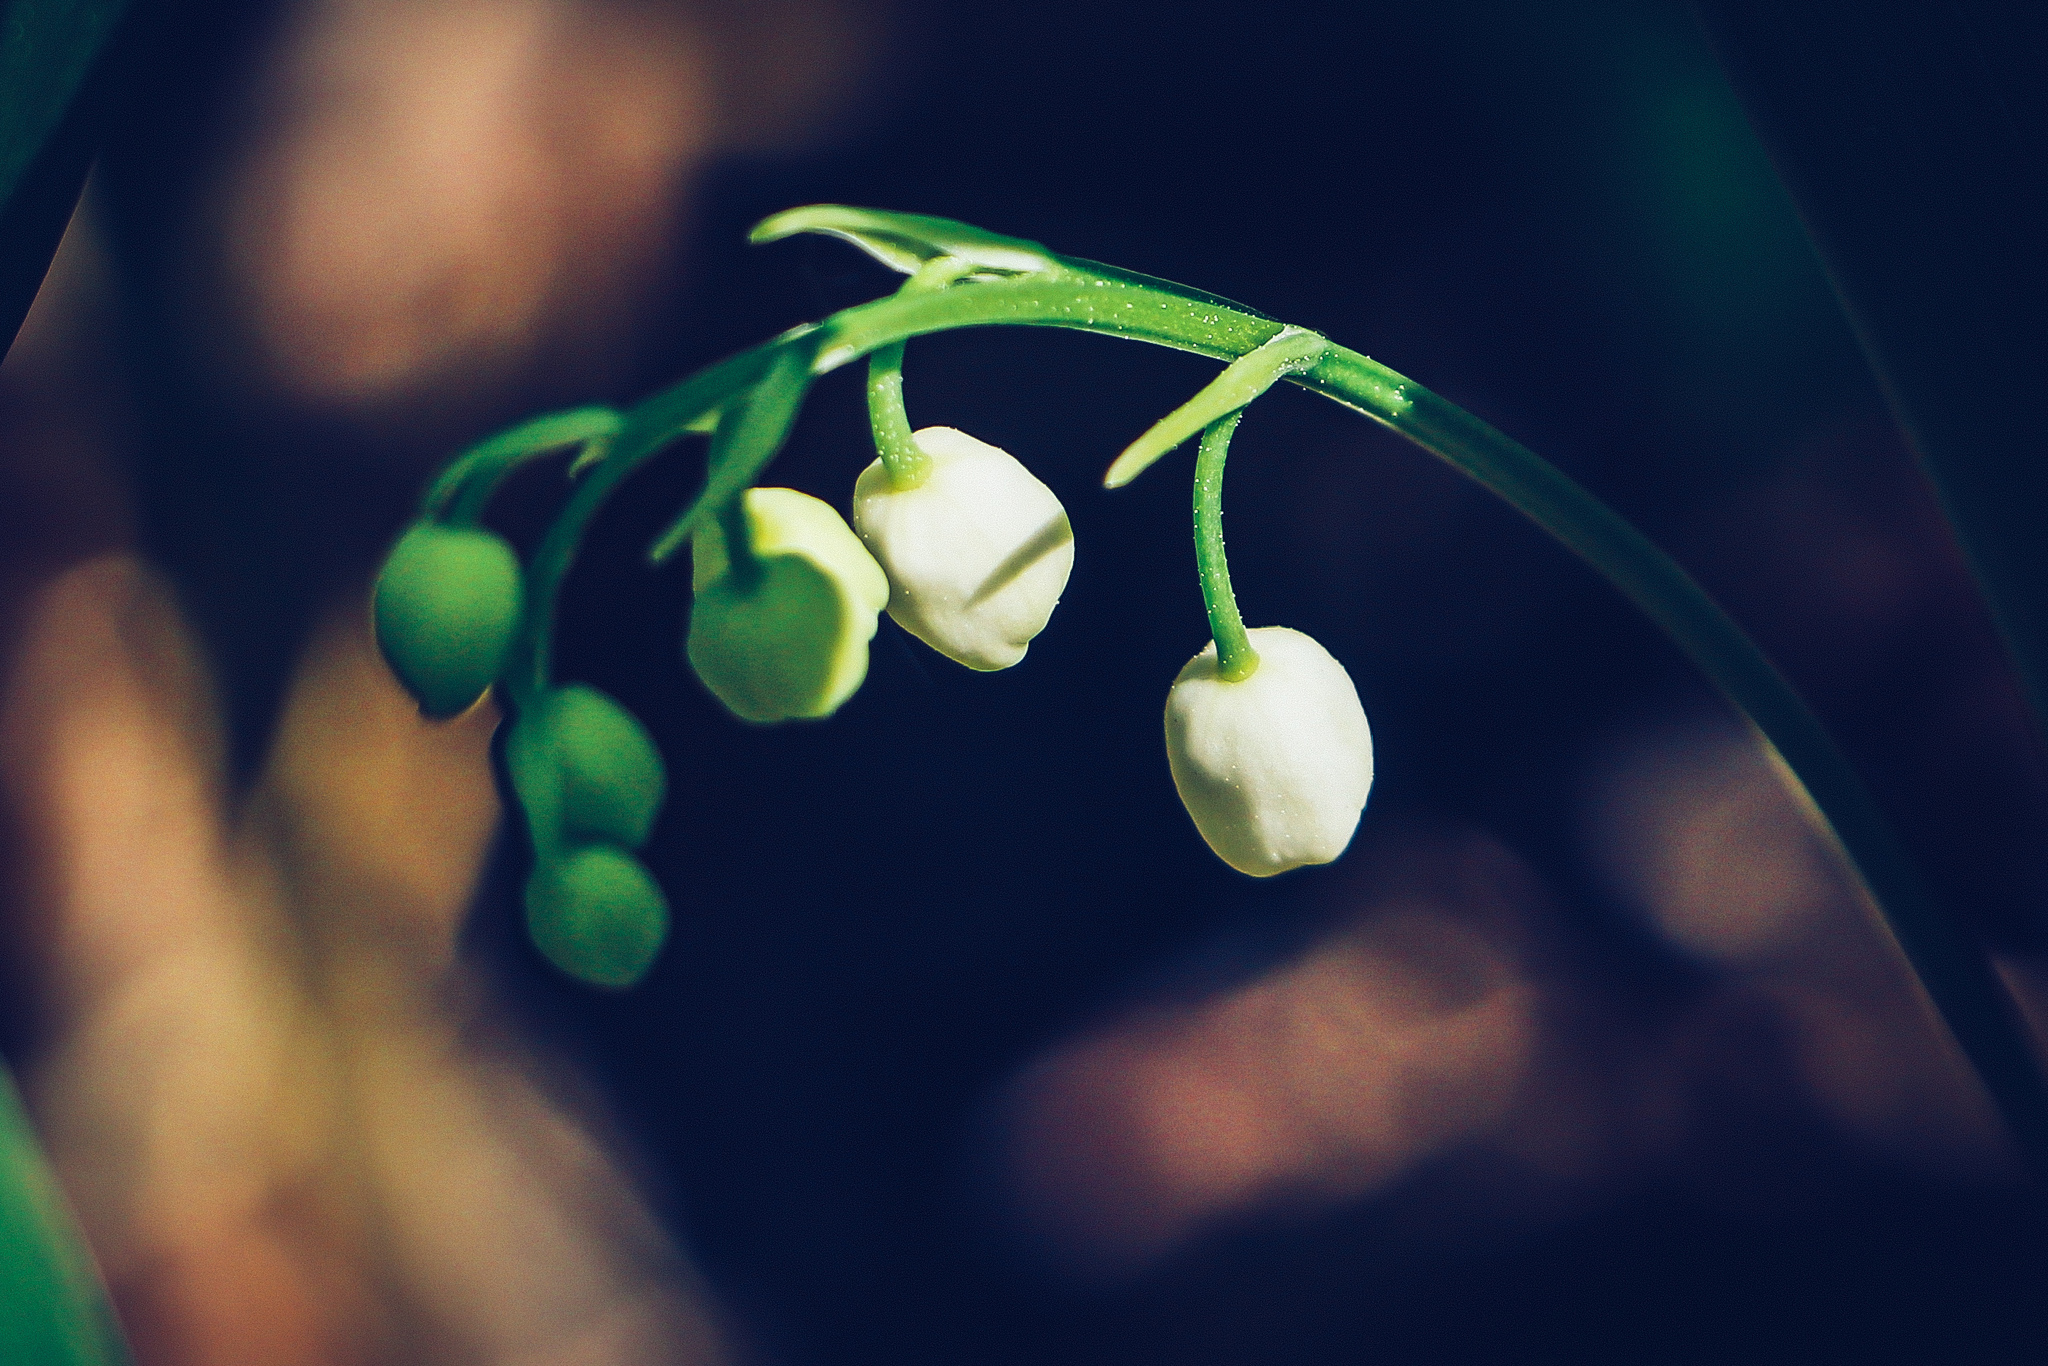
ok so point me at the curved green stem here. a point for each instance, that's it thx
(462, 490)
(1956, 973)
(1954, 970)
(895, 443)
(902, 457)
(1236, 660)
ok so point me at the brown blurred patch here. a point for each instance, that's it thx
(292, 1129)
(434, 201)
(1699, 833)
(1411, 1030)
(172, 1091)
(294, 1125)
(431, 192)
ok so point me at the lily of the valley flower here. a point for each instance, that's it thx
(1275, 767)
(786, 633)
(977, 554)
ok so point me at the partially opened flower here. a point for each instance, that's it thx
(1274, 767)
(977, 554)
(783, 632)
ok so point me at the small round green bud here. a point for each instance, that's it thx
(447, 605)
(610, 774)
(598, 915)
(786, 636)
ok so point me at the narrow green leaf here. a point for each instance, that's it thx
(48, 136)
(52, 1310)
(905, 241)
(1293, 350)
(747, 438)
(46, 50)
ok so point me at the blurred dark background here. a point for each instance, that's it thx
(964, 1048)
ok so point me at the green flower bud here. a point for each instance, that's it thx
(586, 769)
(787, 635)
(598, 915)
(447, 606)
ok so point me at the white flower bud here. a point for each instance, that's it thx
(1274, 768)
(977, 555)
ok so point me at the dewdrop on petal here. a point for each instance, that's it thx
(790, 639)
(1274, 768)
(977, 555)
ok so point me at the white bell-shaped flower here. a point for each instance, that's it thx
(1274, 768)
(977, 555)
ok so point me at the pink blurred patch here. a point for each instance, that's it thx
(1410, 1030)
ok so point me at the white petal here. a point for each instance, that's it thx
(1275, 768)
(977, 555)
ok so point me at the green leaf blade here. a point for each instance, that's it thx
(905, 241)
(747, 439)
(1290, 351)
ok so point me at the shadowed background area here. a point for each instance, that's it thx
(964, 1047)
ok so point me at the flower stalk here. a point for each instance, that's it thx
(1020, 283)
(1236, 659)
(905, 460)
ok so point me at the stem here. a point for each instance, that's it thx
(1952, 968)
(1236, 660)
(905, 460)
(741, 561)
